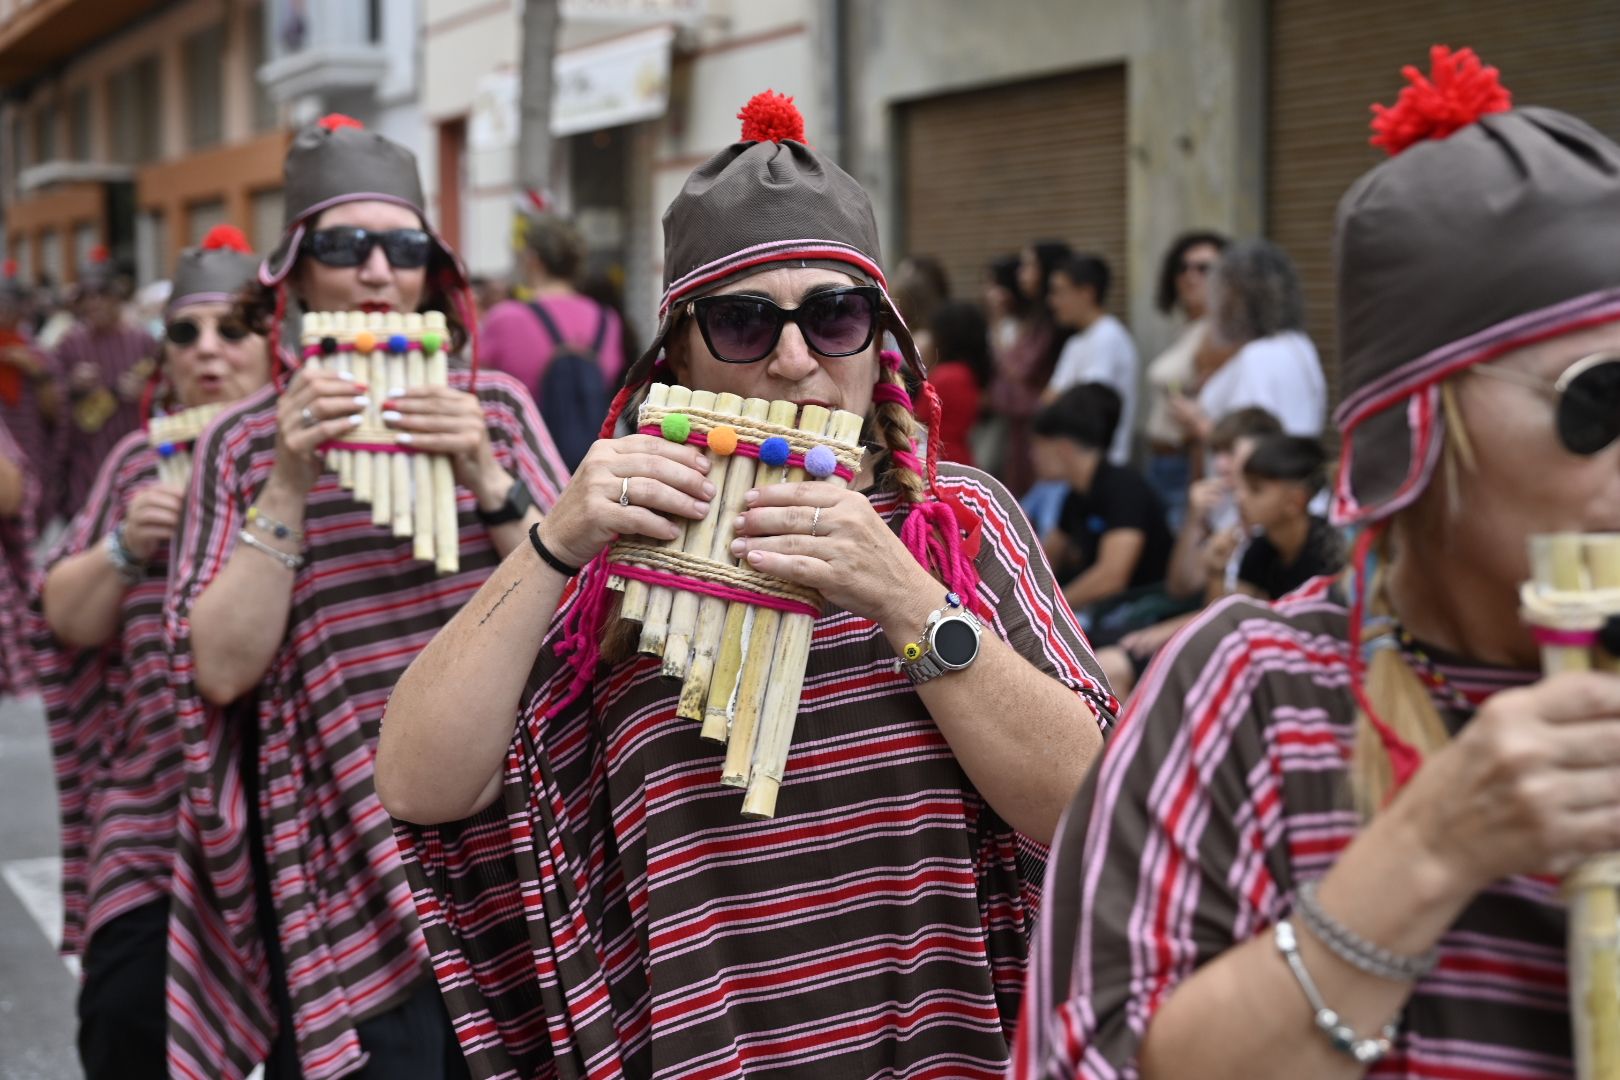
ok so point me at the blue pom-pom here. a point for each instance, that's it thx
(820, 462)
(166, 450)
(399, 343)
(774, 451)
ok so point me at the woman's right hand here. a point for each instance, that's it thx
(1531, 785)
(150, 519)
(666, 480)
(334, 403)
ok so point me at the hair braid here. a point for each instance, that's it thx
(894, 425)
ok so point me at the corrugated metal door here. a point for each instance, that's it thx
(1330, 60)
(988, 171)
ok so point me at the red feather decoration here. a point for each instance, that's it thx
(333, 121)
(226, 238)
(1458, 90)
(771, 117)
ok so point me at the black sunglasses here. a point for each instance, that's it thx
(741, 329)
(1199, 267)
(350, 245)
(185, 332)
(1587, 397)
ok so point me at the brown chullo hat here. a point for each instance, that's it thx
(768, 198)
(335, 161)
(1489, 229)
(215, 271)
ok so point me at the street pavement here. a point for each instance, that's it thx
(37, 988)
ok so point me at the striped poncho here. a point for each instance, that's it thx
(362, 608)
(119, 764)
(16, 555)
(28, 406)
(613, 915)
(1223, 789)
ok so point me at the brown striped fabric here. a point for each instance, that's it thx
(16, 545)
(613, 915)
(362, 608)
(81, 450)
(119, 764)
(1223, 789)
(24, 400)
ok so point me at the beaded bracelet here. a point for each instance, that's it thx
(1341, 1036)
(1354, 949)
(267, 524)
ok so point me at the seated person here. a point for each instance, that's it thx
(1290, 544)
(1111, 535)
(1209, 543)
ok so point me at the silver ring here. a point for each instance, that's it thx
(624, 492)
(815, 519)
(308, 417)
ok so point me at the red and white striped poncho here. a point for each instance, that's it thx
(16, 554)
(362, 608)
(613, 915)
(119, 763)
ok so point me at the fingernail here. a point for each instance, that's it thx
(738, 522)
(752, 497)
(395, 392)
(703, 463)
(356, 420)
(404, 438)
(708, 490)
(391, 417)
(350, 376)
(703, 507)
(737, 547)
(756, 557)
(363, 401)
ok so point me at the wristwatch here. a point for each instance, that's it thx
(129, 568)
(518, 501)
(950, 642)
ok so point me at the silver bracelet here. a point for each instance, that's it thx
(291, 562)
(130, 569)
(1354, 949)
(1341, 1036)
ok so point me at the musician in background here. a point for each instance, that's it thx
(291, 616)
(19, 497)
(104, 675)
(104, 363)
(1347, 810)
(597, 903)
(29, 391)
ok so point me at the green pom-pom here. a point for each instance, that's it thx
(432, 342)
(677, 427)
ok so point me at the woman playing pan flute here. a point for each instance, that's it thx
(1316, 847)
(292, 615)
(103, 673)
(596, 905)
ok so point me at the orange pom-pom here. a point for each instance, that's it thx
(226, 238)
(334, 121)
(1458, 90)
(365, 341)
(771, 117)
(723, 440)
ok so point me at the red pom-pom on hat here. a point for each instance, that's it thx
(334, 121)
(771, 117)
(1458, 90)
(226, 238)
(98, 255)
(8, 268)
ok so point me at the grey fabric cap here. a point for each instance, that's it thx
(204, 276)
(1448, 254)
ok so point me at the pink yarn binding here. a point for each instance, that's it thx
(712, 588)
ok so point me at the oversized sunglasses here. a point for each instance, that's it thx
(185, 332)
(742, 329)
(1586, 397)
(350, 245)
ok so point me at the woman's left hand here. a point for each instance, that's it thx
(853, 560)
(439, 420)
(1187, 413)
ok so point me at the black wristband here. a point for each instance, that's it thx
(547, 557)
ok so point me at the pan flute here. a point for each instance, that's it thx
(410, 493)
(172, 436)
(1572, 604)
(737, 639)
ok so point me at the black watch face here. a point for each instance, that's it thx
(955, 642)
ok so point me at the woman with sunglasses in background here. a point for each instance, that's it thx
(878, 924)
(295, 942)
(103, 671)
(1325, 839)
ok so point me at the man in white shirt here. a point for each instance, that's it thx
(1100, 349)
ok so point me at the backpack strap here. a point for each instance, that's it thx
(603, 316)
(547, 323)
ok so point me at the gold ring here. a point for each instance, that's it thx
(815, 519)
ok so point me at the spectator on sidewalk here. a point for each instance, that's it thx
(1184, 291)
(1111, 535)
(1100, 350)
(523, 339)
(959, 373)
(1024, 368)
(1289, 544)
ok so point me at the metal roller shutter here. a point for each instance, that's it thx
(988, 171)
(1330, 60)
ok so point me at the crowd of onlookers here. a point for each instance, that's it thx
(1155, 488)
